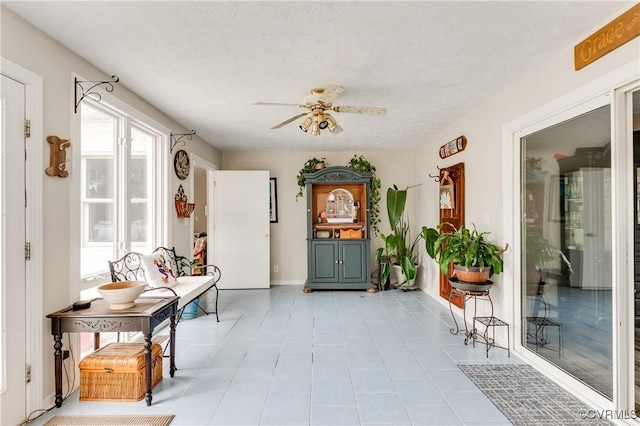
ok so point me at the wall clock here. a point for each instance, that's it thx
(182, 164)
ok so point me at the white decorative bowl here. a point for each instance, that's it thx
(122, 295)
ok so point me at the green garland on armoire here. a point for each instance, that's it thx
(361, 165)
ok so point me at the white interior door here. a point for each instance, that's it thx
(241, 230)
(12, 260)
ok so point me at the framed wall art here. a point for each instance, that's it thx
(273, 200)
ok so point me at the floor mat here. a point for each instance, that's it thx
(527, 398)
(131, 420)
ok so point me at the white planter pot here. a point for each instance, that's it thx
(401, 281)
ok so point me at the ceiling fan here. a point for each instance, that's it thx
(318, 103)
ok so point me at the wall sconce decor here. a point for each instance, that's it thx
(58, 158)
(90, 85)
(183, 208)
(175, 141)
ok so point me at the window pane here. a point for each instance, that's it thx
(140, 189)
(98, 137)
(138, 178)
(566, 235)
(98, 178)
(138, 215)
(100, 222)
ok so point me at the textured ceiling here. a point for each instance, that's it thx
(206, 63)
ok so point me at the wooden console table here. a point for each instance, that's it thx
(145, 316)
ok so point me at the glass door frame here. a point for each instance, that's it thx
(610, 89)
(623, 179)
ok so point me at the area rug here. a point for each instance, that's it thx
(131, 420)
(528, 398)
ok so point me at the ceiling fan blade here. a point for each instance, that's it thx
(294, 118)
(361, 110)
(279, 104)
(331, 92)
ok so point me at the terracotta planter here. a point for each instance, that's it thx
(472, 274)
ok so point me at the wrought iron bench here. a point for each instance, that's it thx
(189, 288)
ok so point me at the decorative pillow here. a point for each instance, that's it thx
(157, 270)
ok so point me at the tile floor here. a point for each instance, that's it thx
(283, 357)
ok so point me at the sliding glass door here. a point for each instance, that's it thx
(567, 247)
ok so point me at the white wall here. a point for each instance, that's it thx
(289, 235)
(26, 46)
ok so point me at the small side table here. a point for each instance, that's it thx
(490, 341)
(476, 291)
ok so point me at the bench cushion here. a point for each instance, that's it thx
(188, 288)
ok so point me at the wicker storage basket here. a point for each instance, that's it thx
(350, 233)
(116, 372)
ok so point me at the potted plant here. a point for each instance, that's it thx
(474, 258)
(399, 248)
(362, 165)
(310, 166)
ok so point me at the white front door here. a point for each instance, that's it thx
(12, 255)
(241, 232)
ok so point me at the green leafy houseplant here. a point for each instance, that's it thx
(398, 245)
(465, 247)
(359, 164)
(309, 167)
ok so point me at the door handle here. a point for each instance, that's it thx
(266, 235)
(591, 234)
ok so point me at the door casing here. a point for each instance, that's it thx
(34, 229)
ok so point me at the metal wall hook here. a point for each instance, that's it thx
(450, 172)
(436, 178)
(175, 141)
(88, 91)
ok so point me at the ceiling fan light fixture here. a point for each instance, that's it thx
(322, 121)
(315, 128)
(334, 127)
(306, 124)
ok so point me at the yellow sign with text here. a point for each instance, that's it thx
(624, 28)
